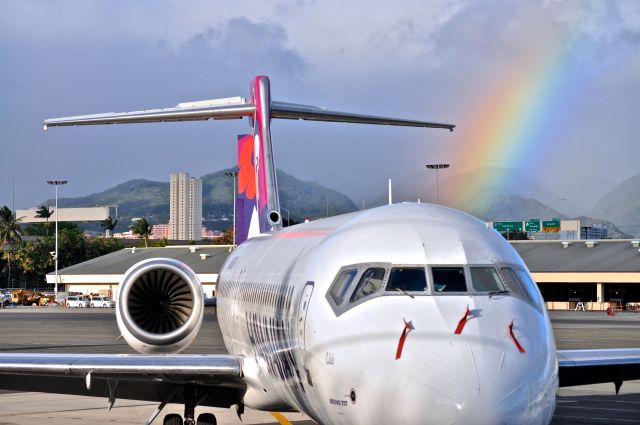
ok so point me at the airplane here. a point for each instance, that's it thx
(406, 313)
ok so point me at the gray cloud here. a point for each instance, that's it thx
(428, 60)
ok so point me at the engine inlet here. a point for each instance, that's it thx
(160, 306)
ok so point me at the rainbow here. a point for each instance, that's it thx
(514, 121)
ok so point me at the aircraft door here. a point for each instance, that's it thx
(303, 308)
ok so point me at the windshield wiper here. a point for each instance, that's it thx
(502, 292)
(403, 291)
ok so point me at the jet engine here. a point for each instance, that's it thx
(159, 306)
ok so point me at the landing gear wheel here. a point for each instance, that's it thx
(206, 419)
(172, 419)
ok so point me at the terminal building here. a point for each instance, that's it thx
(598, 273)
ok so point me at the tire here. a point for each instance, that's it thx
(172, 419)
(206, 419)
(93, 306)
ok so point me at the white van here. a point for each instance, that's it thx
(77, 302)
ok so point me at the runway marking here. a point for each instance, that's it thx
(280, 417)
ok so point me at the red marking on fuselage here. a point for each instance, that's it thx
(515, 340)
(463, 321)
(408, 327)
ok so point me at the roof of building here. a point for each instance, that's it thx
(539, 256)
(202, 259)
(580, 256)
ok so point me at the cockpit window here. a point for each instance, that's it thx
(341, 285)
(518, 282)
(486, 279)
(408, 279)
(370, 282)
(448, 279)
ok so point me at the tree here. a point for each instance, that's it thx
(142, 228)
(10, 233)
(44, 212)
(108, 225)
(10, 230)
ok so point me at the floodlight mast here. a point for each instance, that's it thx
(56, 183)
(437, 167)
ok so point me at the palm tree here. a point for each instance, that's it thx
(10, 230)
(5, 214)
(46, 213)
(9, 233)
(108, 225)
(142, 228)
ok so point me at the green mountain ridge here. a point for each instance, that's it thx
(150, 199)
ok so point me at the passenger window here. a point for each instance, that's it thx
(407, 279)
(486, 279)
(448, 279)
(370, 282)
(341, 285)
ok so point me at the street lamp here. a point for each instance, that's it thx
(233, 174)
(437, 167)
(56, 183)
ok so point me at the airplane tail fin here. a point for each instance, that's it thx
(257, 203)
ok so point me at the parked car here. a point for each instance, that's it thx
(102, 302)
(210, 301)
(5, 300)
(77, 302)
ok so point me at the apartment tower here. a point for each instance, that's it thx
(185, 208)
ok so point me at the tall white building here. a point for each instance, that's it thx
(185, 207)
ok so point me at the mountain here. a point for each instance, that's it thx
(622, 206)
(150, 199)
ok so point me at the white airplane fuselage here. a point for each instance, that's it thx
(391, 356)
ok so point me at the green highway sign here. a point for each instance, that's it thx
(533, 225)
(551, 225)
(508, 226)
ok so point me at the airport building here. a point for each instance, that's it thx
(102, 275)
(598, 273)
(185, 207)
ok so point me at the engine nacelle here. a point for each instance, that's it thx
(159, 306)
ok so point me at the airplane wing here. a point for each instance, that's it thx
(314, 113)
(583, 367)
(216, 379)
(216, 109)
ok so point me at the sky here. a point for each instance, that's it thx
(549, 89)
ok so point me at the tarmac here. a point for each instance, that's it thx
(42, 330)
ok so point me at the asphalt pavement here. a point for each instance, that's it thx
(36, 329)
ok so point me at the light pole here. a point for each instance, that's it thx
(56, 183)
(233, 174)
(437, 167)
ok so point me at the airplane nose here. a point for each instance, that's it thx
(478, 382)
